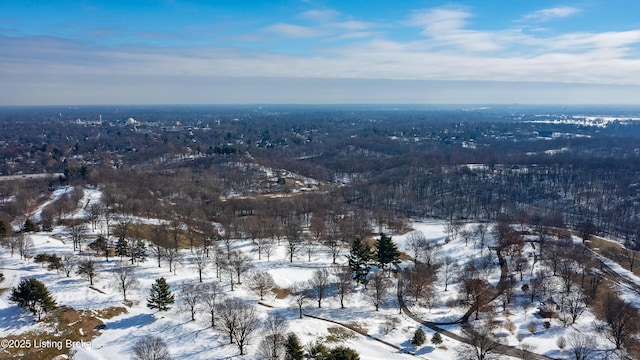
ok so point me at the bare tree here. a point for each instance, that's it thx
(190, 295)
(151, 348)
(317, 227)
(211, 294)
(293, 229)
(200, 261)
(268, 248)
(310, 247)
(466, 235)
(619, 320)
(124, 277)
(344, 286)
(88, 268)
(582, 346)
(480, 233)
(93, 214)
(13, 243)
(332, 240)
(159, 241)
(319, 284)
(520, 265)
(299, 296)
(630, 256)
(25, 246)
(220, 261)
(261, 245)
(478, 292)
(566, 271)
(482, 345)
(68, 263)
(77, 231)
(448, 270)
(260, 283)
(574, 304)
(272, 345)
(377, 289)
(239, 320)
(430, 252)
(418, 281)
(172, 256)
(415, 245)
(240, 263)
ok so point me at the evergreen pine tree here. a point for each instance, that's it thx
(139, 252)
(387, 251)
(292, 348)
(419, 337)
(359, 258)
(30, 226)
(160, 296)
(436, 339)
(343, 353)
(34, 295)
(317, 351)
(4, 229)
(122, 248)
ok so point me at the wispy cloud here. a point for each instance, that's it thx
(444, 44)
(551, 13)
(329, 24)
(446, 26)
(320, 15)
(294, 31)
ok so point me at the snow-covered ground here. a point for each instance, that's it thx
(196, 340)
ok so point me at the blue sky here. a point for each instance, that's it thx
(308, 51)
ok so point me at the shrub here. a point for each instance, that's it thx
(561, 342)
(419, 337)
(390, 323)
(338, 334)
(343, 353)
(436, 339)
(532, 327)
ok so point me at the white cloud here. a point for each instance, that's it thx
(551, 13)
(446, 27)
(320, 15)
(446, 48)
(294, 31)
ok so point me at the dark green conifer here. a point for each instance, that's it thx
(386, 251)
(359, 258)
(419, 337)
(292, 348)
(34, 295)
(160, 296)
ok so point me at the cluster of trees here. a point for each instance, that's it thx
(392, 164)
(278, 344)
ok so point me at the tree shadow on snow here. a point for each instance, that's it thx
(131, 322)
(407, 346)
(14, 317)
(425, 350)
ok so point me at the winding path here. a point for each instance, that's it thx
(463, 321)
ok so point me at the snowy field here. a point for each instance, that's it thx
(188, 339)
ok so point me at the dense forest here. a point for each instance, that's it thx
(270, 168)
